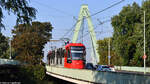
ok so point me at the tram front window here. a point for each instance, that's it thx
(77, 55)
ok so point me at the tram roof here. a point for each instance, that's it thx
(74, 44)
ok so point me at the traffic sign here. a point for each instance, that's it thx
(144, 57)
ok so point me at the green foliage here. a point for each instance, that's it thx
(128, 34)
(3, 45)
(23, 74)
(6, 55)
(146, 7)
(29, 41)
(37, 72)
(18, 7)
(103, 52)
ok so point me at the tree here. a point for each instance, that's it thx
(3, 45)
(128, 34)
(145, 7)
(103, 52)
(24, 12)
(6, 54)
(29, 41)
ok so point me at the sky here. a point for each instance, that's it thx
(62, 14)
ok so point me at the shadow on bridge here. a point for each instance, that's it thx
(17, 73)
(14, 73)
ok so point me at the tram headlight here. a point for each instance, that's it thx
(69, 61)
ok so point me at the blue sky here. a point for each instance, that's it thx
(61, 12)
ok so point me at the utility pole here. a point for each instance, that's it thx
(144, 57)
(109, 52)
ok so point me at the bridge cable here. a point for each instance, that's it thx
(83, 28)
(101, 12)
(101, 23)
(117, 3)
(75, 18)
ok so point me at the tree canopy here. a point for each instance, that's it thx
(29, 41)
(128, 37)
(20, 8)
(128, 34)
(3, 45)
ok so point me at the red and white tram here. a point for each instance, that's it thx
(72, 56)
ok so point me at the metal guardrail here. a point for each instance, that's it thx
(129, 68)
(9, 61)
(100, 77)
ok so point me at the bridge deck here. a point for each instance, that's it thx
(90, 76)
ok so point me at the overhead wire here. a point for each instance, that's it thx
(58, 10)
(103, 10)
(107, 8)
(100, 12)
(71, 29)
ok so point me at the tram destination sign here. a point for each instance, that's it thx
(77, 48)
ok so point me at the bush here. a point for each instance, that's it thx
(35, 71)
(39, 72)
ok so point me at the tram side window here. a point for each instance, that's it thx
(68, 55)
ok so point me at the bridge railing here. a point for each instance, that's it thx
(9, 61)
(130, 68)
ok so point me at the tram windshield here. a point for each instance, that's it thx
(77, 55)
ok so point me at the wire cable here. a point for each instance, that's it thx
(95, 28)
(100, 12)
(71, 29)
(107, 8)
(58, 10)
(117, 3)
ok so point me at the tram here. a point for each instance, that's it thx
(73, 55)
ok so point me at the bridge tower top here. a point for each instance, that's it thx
(84, 13)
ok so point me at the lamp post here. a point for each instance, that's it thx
(109, 52)
(144, 57)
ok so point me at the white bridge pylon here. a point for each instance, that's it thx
(84, 13)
